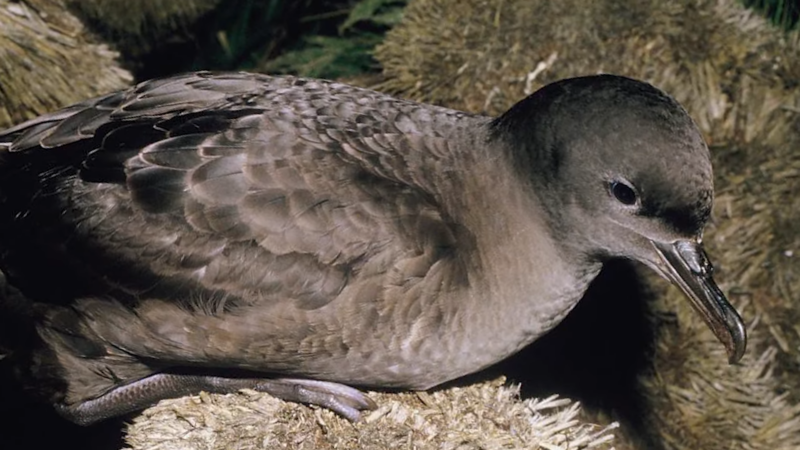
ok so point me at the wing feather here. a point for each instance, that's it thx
(265, 189)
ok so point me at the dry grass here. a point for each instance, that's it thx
(697, 404)
(40, 40)
(142, 17)
(487, 415)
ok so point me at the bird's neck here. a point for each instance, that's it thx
(523, 281)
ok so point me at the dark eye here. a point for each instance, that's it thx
(624, 193)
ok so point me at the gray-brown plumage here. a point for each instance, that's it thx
(315, 234)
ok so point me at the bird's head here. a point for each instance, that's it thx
(622, 171)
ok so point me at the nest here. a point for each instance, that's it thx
(488, 415)
(737, 76)
(40, 40)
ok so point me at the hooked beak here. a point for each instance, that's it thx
(686, 264)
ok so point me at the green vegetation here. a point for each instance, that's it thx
(348, 52)
(327, 39)
(783, 13)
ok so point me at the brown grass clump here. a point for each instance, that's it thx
(487, 415)
(697, 404)
(142, 17)
(48, 61)
(139, 29)
(738, 77)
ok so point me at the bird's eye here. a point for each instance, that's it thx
(624, 193)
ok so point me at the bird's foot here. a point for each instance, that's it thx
(339, 398)
(343, 400)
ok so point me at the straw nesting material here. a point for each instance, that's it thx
(48, 60)
(486, 415)
(737, 76)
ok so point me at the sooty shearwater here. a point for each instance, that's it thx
(320, 236)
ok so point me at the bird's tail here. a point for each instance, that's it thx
(52, 352)
(16, 320)
(19, 342)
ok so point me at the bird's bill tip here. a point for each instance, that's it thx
(685, 263)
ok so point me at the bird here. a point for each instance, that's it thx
(307, 238)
